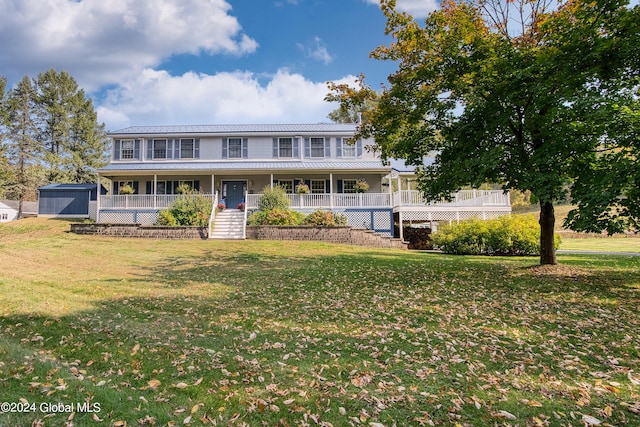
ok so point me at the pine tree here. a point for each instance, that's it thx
(24, 151)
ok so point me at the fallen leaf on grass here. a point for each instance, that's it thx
(591, 421)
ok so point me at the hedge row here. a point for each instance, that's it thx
(507, 235)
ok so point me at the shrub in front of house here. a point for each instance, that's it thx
(324, 218)
(276, 216)
(188, 210)
(274, 198)
(507, 235)
(321, 218)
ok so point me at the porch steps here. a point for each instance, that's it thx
(228, 225)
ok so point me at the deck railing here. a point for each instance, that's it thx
(464, 198)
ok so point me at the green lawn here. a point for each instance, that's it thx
(294, 333)
(602, 244)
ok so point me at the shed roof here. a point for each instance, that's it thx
(67, 187)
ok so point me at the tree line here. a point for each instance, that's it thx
(49, 133)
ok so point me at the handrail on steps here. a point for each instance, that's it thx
(213, 212)
(244, 224)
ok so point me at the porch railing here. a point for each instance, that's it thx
(140, 201)
(465, 198)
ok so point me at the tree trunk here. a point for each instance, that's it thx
(547, 228)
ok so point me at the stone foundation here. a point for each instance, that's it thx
(344, 235)
(141, 231)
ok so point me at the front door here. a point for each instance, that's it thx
(233, 193)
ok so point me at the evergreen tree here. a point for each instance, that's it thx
(23, 148)
(75, 144)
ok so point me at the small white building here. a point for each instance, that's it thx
(9, 209)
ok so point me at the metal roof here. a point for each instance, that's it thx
(64, 187)
(244, 166)
(237, 129)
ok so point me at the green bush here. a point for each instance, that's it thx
(188, 210)
(341, 219)
(166, 218)
(507, 235)
(321, 218)
(276, 216)
(274, 198)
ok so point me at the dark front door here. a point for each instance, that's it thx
(234, 193)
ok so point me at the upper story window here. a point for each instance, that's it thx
(127, 149)
(285, 147)
(317, 147)
(348, 149)
(159, 148)
(187, 148)
(235, 148)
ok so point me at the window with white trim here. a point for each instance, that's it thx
(348, 185)
(127, 149)
(187, 148)
(317, 147)
(287, 184)
(234, 150)
(285, 147)
(348, 149)
(318, 186)
(159, 148)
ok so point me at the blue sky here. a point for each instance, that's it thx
(199, 61)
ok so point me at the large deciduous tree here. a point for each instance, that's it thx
(549, 105)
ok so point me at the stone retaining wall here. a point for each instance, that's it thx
(345, 235)
(141, 231)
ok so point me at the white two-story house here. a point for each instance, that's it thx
(234, 163)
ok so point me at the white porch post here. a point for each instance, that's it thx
(155, 191)
(213, 185)
(98, 194)
(331, 203)
(271, 182)
(400, 227)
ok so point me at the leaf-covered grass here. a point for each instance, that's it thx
(303, 333)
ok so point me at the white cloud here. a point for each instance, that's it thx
(417, 8)
(317, 50)
(105, 42)
(157, 98)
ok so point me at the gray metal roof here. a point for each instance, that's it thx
(64, 187)
(243, 166)
(236, 129)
